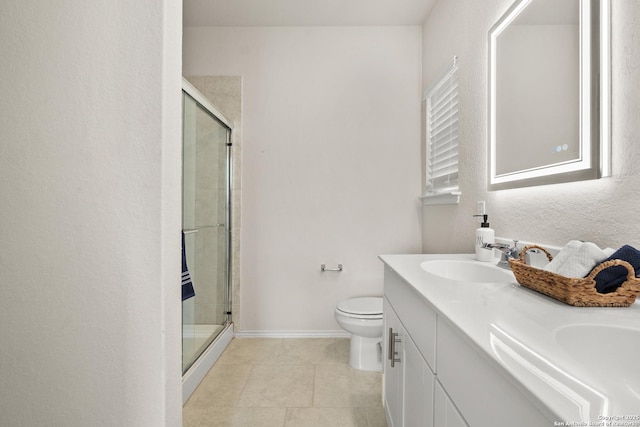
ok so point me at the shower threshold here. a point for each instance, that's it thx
(196, 372)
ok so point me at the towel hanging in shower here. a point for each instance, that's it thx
(187, 284)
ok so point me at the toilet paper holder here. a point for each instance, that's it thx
(324, 268)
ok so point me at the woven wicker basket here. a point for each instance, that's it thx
(577, 292)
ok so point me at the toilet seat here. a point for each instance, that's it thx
(361, 308)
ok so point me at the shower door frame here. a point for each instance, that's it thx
(198, 369)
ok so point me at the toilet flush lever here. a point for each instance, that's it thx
(324, 268)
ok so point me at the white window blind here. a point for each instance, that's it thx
(442, 133)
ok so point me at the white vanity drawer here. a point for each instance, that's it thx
(417, 316)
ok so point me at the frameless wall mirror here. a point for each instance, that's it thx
(549, 93)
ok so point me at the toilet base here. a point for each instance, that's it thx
(365, 354)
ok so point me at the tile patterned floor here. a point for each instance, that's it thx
(286, 383)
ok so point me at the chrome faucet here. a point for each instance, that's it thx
(507, 252)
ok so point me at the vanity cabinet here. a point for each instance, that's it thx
(418, 387)
(408, 380)
(409, 366)
(464, 388)
(393, 348)
(484, 394)
(445, 413)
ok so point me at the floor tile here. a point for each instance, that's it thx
(221, 386)
(191, 415)
(376, 416)
(279, 386)
(325, 417)
(252, 351)
(343, 386)
(243, 417)
(286, 382)
(310, 351)
(343, 346)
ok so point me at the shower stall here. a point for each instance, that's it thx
(206, 218)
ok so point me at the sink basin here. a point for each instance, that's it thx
(468, 271)
(614, 349)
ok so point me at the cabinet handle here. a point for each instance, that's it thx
(393, 339)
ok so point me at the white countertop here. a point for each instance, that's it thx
(572, 359)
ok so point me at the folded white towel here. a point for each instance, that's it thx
(562, 256)
(582, 261)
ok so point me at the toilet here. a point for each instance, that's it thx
(362, 317)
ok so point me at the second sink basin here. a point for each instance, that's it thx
(613, 348)
(468, 271)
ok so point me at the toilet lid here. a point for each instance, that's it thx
(368, 305)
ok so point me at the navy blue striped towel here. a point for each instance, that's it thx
(187, 284)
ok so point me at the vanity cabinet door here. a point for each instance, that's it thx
(408, 384)
(393, 370)
(446, 414)
(418, 388)
(483, 394)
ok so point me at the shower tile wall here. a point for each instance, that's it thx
(225, 92)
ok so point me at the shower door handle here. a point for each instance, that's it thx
(392, 353)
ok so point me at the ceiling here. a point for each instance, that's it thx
(198, 13)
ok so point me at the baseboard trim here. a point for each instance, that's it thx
(292, 334)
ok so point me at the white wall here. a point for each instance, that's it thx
(603, 211)
(330, 161)
(90, 197)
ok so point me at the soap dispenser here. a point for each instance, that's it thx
(484, 235)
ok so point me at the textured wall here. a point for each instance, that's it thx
(330, 161)
(603, 211)
(90, 222)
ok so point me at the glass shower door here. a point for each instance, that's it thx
(205, 222)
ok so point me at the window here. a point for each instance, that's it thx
(442, 138)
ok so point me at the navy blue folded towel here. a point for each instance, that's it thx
(610, 279)
(187, 284)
